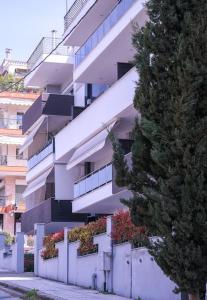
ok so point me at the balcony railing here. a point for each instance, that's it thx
(19, 200)
(10, 123)
(45, 46)
(7, 160)
(115, 15)
(73, 12)
(3, 201)
(41, 155)
(93, 181)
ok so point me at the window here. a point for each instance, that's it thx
(18, 155)
(19, 119)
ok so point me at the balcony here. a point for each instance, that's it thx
(102, 45)
(53, 67)
(54, 213)
(7, 160)
(42, 154)
(82, 17)
(102, 30)
(45, 46)
(47, 104)
(93, 181)
(6, 123)
(3, 201)
(115, 103)
(98, 193)
(73, 12)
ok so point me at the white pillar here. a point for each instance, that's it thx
(2, 240)
(19, 253)
(109, 228)
(39, 230)
(66, 256)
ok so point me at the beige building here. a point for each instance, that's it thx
(12, 164)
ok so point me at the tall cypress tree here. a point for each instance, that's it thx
(168, 177)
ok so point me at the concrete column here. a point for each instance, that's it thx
(39, 230)
(109, 277)
(19, 253)
(8, 221)
(2, 240)
(65, 269)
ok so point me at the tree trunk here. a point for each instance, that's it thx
(193, 297)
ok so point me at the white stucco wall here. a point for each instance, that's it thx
(135, 274)
(148, 280)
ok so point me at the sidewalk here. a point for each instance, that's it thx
(51, 289)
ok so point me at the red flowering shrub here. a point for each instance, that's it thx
(49, 243)
(125, 231)
(85, 235)
(49, 253)
(58, 236)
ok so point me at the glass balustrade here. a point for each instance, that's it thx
(103, 29)
(10, 123)
(7, 160)
(38, 157)
(93, 181)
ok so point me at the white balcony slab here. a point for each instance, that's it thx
(100, 201)
(81, 19)
(54, 70)
(115, 103)
(40, 168)
(100, 63)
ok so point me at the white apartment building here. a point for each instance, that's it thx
(89, 83)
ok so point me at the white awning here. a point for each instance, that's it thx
(9, 140)
(36, 183)
(95, 144)
(22, 102)
(29, 138)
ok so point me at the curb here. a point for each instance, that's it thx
(22, 290)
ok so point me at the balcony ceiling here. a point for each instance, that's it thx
(104, 206)
(85, 25)
(100, 66)
(50, 73)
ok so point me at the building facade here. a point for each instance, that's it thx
(93, 75)
(13, 166)
(17, 68)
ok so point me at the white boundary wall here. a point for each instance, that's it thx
(12, 258)
(122, 270)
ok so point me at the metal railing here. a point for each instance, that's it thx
(73, 12)
(45, 46)
(93, 181)
(115, 15)
(41, 155)
(8, 160)
(10, 123)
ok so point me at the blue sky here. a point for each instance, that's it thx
(24, 22)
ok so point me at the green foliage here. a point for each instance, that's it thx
(8, 81)
(32, 295)
(9, 239)
(168, 177)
